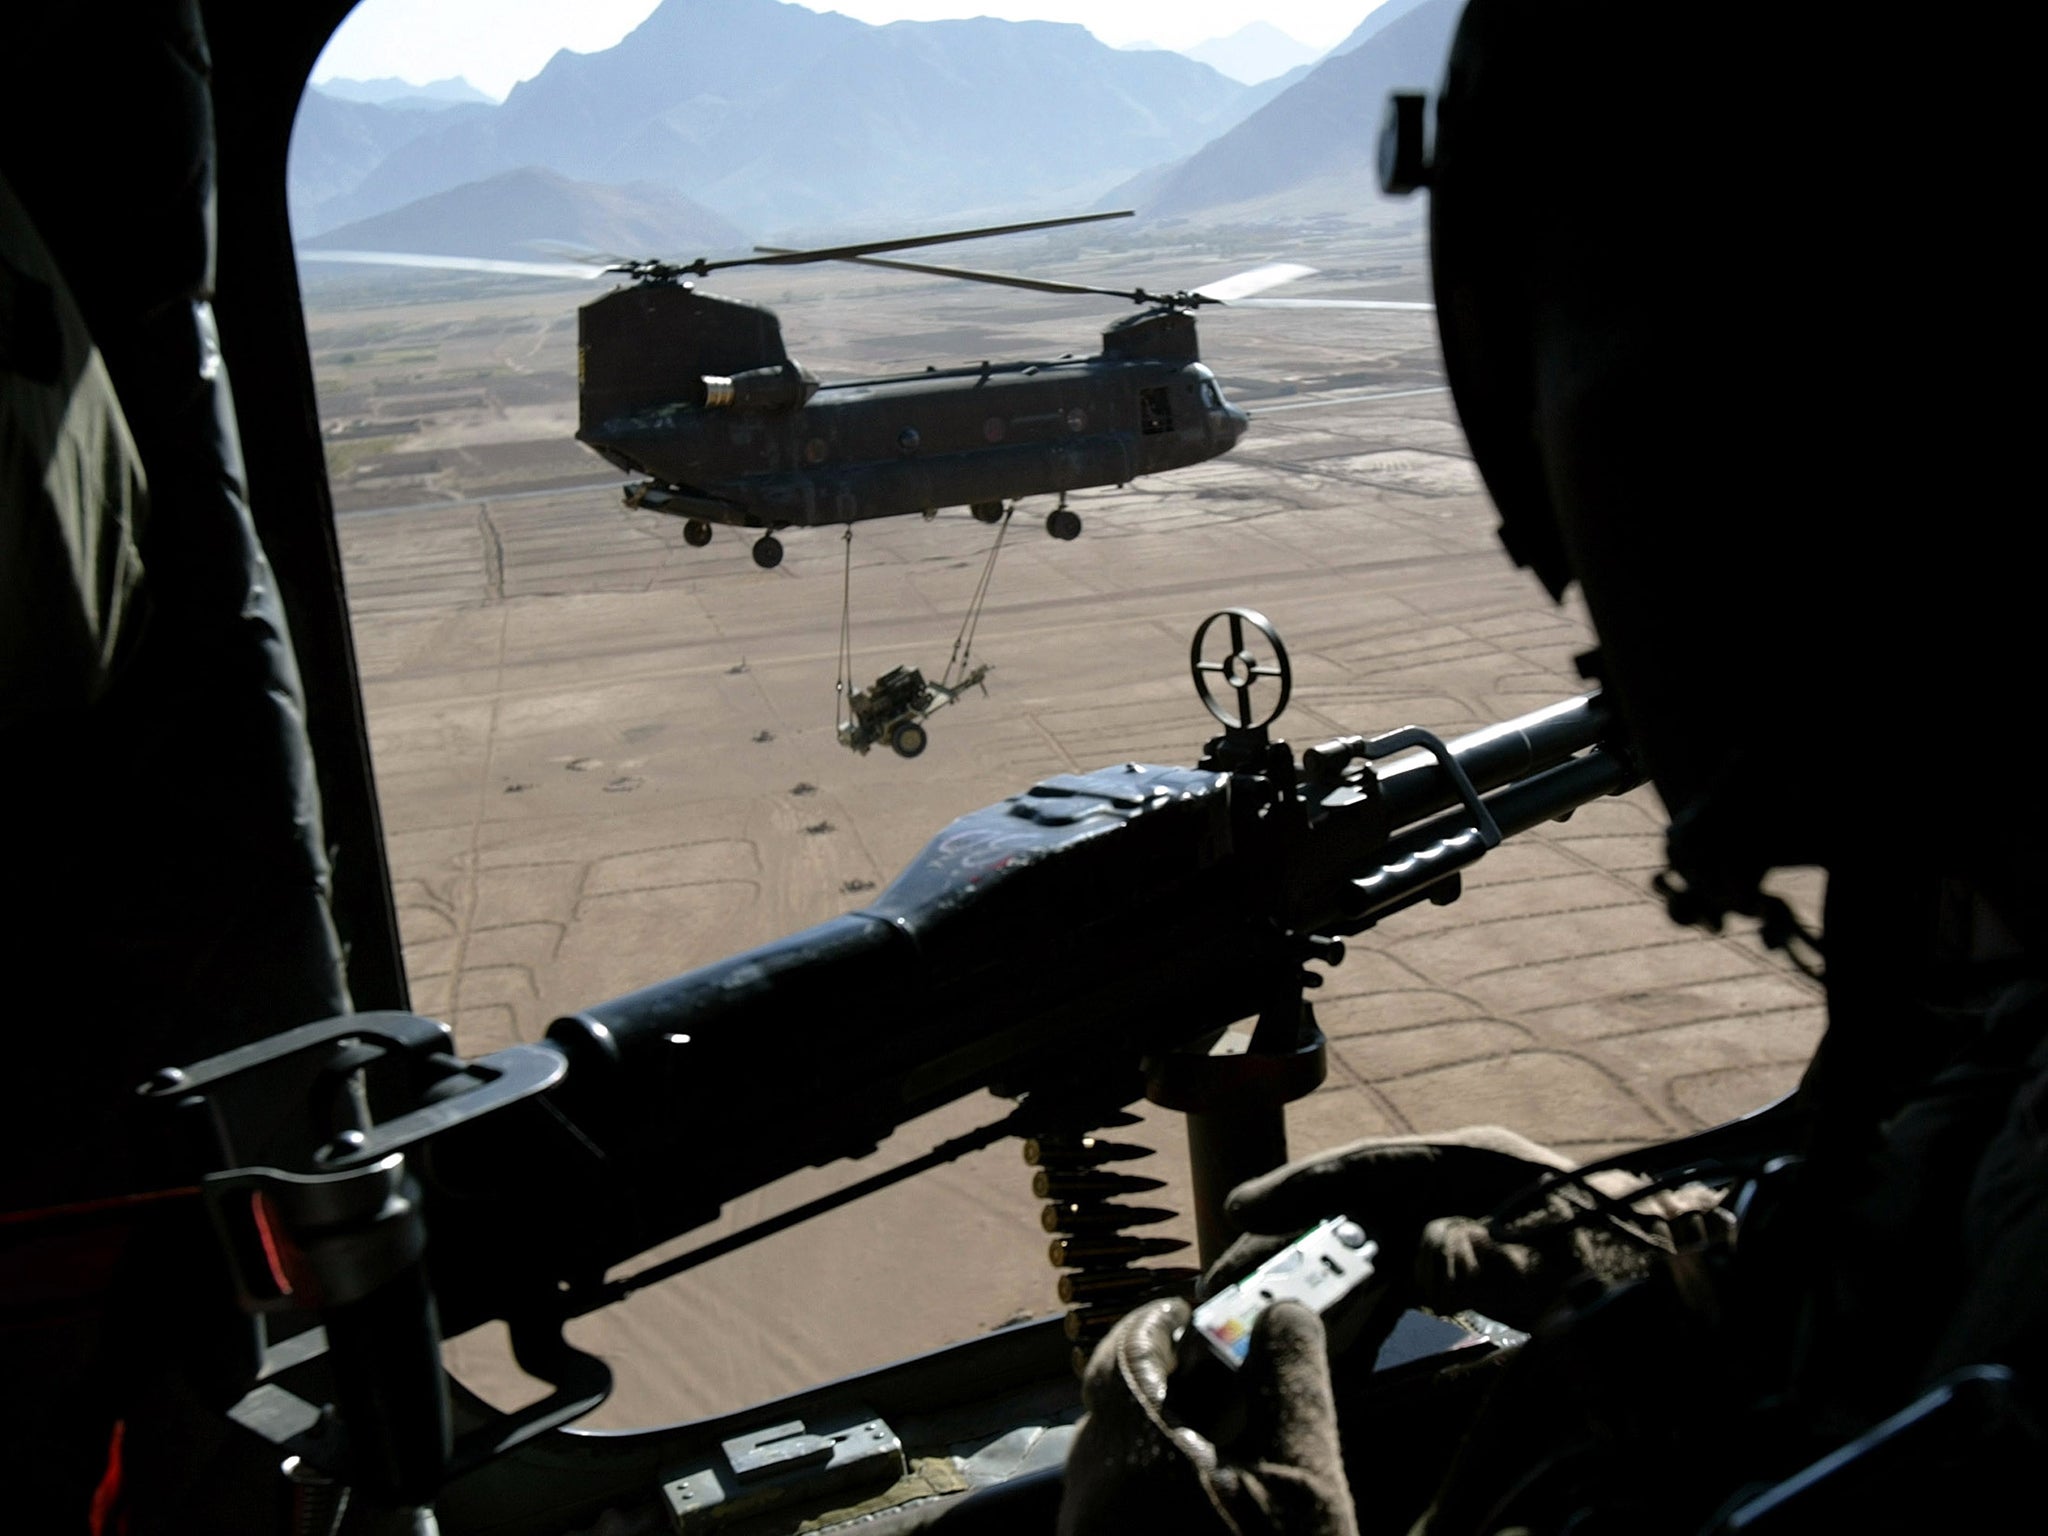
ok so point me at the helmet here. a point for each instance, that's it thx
(1719, 327)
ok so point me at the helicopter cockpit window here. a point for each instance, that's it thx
(597, 616)
(1155, 410)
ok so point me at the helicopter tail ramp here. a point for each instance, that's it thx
(648, 347)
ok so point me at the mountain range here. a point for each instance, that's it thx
(1255, 52)
(336, 143)
(799, 125)
(782, 118)
(1316, 143)
(390, 92)
(511, 215)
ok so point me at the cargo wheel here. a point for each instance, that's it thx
(909, 739)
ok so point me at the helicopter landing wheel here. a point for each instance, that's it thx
(696, 533)
(1062, 524)
(987, 511)
(767, 552)
(908, 739)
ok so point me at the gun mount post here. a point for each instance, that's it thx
(320, 1208)
(1235, 1087)
(1235, 1095)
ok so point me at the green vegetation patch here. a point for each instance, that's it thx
(344, 459)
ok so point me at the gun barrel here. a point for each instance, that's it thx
(1415, 787)
(1549, 795)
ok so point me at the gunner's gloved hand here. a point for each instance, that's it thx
(1138, 1463)
(1520, 1264)
(1393, 1186)
(1428, 1200)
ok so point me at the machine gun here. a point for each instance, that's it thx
(1074, 947)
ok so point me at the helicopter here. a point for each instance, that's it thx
(698, 393)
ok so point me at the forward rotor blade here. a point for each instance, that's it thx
(1233, 290)
(780, 257)
(456, 263)
(1001, 279)
(1402, 304)
(1224, 291)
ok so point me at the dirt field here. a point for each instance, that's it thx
(605, 757)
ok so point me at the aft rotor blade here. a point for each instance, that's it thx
(1233, 290)
(1224, 291)
(580, 254)
(456, 263)
(778, 257)
(1332, 304)
(1001, 279)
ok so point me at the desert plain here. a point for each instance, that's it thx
(604, 757)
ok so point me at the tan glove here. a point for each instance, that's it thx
(1138, 1464)
(1393, 1186)
(1395, 1183)
(1427, 1200)
(1521, 1265)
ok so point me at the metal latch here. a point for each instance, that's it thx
(782, 1465)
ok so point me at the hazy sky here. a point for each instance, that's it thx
(496, 42)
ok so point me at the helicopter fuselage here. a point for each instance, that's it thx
(766, 447)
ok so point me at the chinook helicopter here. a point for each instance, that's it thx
(698, 393)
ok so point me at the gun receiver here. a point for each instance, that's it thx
(1056, 943)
